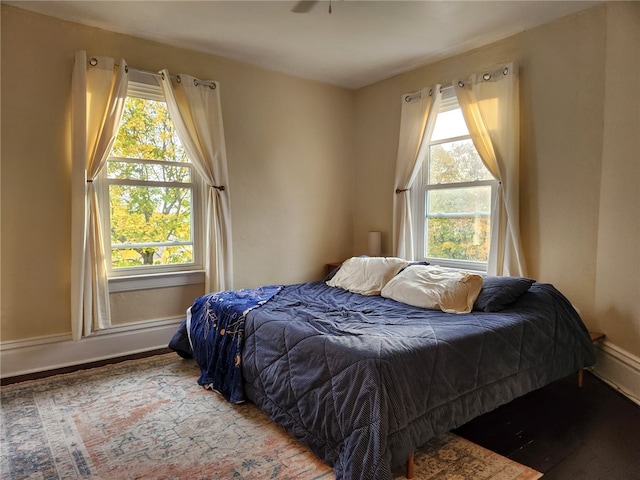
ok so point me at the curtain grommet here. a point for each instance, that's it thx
(461, 84)
(93, 61)
(486, 76)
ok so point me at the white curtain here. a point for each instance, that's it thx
(196, 112)
(99, 89)
(418, 116)
(490, 106)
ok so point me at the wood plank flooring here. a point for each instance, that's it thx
(566, 432)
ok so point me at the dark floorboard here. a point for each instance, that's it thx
(566, 432)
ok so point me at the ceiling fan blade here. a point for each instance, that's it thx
(303, 6)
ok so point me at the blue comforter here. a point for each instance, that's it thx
(363, 380)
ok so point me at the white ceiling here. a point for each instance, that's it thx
(359, 43)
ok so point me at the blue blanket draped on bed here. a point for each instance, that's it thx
(215, 329)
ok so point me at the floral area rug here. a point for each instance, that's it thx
(149, 419)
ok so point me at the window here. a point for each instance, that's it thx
(149, 192)
(454, 196)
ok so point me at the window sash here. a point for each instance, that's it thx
(420, 193)
(147, 183)
(151, 92)
(126, 246)
(196, 233)
(442, 141)
(172, 163)
(475, 183)
(458, 263)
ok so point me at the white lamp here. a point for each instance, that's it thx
(375, 244)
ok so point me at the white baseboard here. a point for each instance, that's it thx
(618, 368)
(40, 354)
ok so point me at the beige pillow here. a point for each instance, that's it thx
(366, 275)
(435, 288)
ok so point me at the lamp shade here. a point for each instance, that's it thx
(375, 244)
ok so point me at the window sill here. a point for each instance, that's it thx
(466, 266)
(156, 280)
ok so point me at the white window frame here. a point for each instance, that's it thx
(153, 276)
(419, 196)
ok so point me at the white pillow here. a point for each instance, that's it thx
(435, 288)
(366, 275)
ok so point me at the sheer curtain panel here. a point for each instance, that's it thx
(196, 112)
(490, 106)
(418, 116)
(98, 92)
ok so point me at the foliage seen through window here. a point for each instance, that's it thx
(457, 193)
(150, 191)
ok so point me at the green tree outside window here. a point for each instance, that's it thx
(150, 189)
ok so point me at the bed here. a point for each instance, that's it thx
(364, 379)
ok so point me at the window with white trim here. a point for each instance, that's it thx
(150, 193)
(454, 195)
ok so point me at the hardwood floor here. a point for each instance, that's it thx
(566, 432)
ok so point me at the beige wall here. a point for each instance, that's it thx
(579, 181)
(617, 288)
(312, 166)
(289, 147)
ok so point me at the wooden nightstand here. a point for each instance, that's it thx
(595, 338)
(332, 266)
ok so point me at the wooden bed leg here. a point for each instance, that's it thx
(410, 467)
(595, 338)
